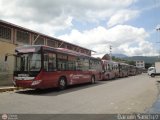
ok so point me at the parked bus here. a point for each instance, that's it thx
(116, 69)
(38, 66)
(123, 70)
(110, 69)
(139, 70)
(132, 70)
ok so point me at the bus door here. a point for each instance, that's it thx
(82, 68)
(49, 66)
(73, 72)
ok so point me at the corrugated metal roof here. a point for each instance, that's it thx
(41, 34)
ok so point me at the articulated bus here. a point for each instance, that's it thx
(40, 67)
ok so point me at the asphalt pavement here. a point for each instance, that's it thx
(156, 106)
(124, 95)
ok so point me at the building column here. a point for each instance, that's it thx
(14, 36)
(30, 38)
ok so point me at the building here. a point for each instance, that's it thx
(140, 64)
(12, 35)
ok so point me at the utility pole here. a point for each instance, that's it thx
(110, 49)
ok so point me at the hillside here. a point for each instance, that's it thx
(119, 55)
(147, 59)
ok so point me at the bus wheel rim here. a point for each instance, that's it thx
(92, 79)
(62, 83)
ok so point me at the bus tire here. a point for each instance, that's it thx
(62, 84)
(93, 79)
(109, 78)
(152, 75)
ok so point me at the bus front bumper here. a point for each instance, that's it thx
(28, 83)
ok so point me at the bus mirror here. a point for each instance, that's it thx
(6, 58)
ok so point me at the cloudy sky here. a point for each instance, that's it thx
(129, 26)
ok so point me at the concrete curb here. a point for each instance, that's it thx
(10, 88)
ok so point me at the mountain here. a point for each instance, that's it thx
(146, 59)
(118, 55)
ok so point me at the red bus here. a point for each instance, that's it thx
(110, 69)
(123, 70)
(116, 69)
(132, 70)
(38, 66)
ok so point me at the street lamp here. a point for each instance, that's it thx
(110, 48)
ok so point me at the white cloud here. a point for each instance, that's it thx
(50, 16)
(144, 48)
(58, 13)
(122, 16)
(158, 27)
(124, 39)
(48, 28)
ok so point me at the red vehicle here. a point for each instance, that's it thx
(116, 69)
(132, 70)
(43, 67)
(123, 70)
(110, 69)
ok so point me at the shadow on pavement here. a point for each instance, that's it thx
(73, 88)
(56, 92)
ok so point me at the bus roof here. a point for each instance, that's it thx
(41, 34)
(36, 48)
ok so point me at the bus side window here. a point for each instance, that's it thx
(46, 62)
(79, 64)
(109, 67)
(62, 61)
(82, 64)
(71, 63)
(50, 62)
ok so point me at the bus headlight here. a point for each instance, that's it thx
(36, 82)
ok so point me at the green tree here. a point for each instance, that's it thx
(147, 65)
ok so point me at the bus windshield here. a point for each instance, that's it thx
(28, 62)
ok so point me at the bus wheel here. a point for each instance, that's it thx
(62, 83)
(108, 77)
(92, 79)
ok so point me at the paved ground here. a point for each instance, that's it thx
(125, 95)
(156, 106)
